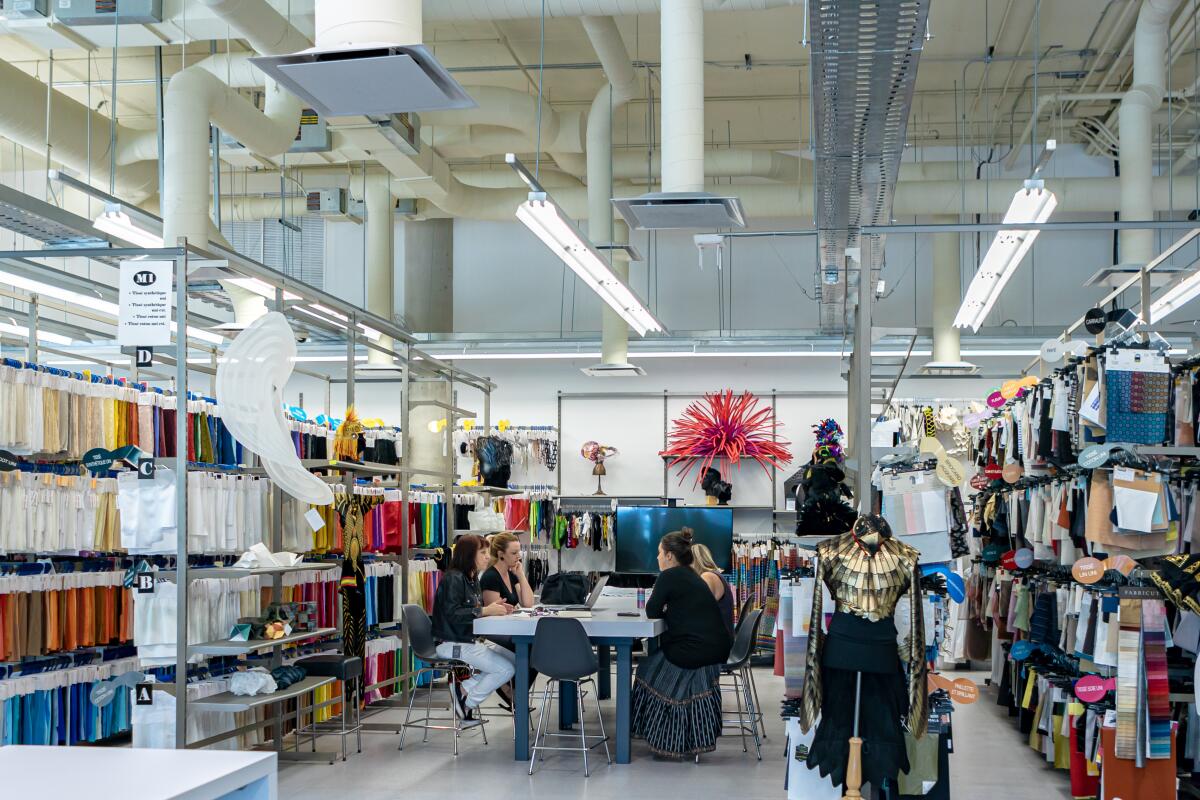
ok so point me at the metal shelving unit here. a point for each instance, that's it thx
(225, 647)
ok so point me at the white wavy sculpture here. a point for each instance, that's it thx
(250, 384)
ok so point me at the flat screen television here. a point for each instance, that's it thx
(639, 529)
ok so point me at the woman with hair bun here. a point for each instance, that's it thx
(676, 696)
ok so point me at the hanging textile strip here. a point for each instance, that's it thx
(1128, 670)
(1158, 693)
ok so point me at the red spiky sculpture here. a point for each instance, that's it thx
(722, 429)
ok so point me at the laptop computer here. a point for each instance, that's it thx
(593, 598)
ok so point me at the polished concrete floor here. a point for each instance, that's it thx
(990, 761)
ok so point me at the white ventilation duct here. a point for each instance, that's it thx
(682, 106)
(23, 98)
(621, 87)
(1145, 96)
(355, 23)
(195, 98)
(483, 10)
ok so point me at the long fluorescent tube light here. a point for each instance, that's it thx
(116, 222)
(1179, 294)
(1034, 203)
(547, 221)
(89, 302)
(558, 232)
(43, 336)
(636, 355)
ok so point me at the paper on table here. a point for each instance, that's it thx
(1135, 509)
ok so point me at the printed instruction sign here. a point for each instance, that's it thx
(145, 315)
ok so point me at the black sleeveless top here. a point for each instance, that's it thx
(726, 603)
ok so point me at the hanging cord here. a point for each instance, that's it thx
(537, 163)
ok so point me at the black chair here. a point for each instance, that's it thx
(748, 716)
(562, 652)
(742, 614)
(421, 643)
(348, 670)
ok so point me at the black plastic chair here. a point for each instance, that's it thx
(749, 716)
(562, 653)
(420, 639)
(742, 614)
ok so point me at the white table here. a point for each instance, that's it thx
(110, 773)
(606, 629)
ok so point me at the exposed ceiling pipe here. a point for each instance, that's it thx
(23, 98)
(622, 86)
(682, 46)
(195, 98)
(1150, 39)
(481, 10)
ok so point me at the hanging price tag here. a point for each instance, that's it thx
(950, 471)
(1009, 390)
(1093, 688)
(1088, 570)
(979, 482)
(1012, 473)
(996, 400)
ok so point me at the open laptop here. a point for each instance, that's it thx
(593, 598)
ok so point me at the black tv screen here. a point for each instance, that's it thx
(639, 529)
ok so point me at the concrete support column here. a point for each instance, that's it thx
(380, 257)
(615, 331)
(429, 275)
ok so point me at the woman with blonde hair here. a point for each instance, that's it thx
(504, 581)
(706, 567)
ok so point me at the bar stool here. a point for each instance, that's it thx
(562, 652)
(742, 614)
(737, 667)
(345, 669)
(420, 639)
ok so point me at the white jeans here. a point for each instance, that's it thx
(495, 665)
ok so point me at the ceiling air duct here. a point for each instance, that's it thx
(681, 210)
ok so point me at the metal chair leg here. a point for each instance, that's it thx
(412, 696)
(600, 717)
(582, 727)
(538, 734)
(753, 721)
(358, 719)
(452, 688)
(757, 703)
(741, 716)
(429, 705)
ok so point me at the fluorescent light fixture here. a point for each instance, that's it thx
(370, 333)
(43, 336)
(1179, 294)
(260, 288)
(1034, 203)
(556, 230)
(116, 222)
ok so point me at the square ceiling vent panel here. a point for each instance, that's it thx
(681, 211)
(372, 81)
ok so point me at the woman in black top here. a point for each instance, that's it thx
(456, 605)
(676, 697)
(505, 581)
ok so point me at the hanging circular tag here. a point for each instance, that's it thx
(1023, 558)
(979, 482)
(1094, 456)
(1009, 560)
(8, 462)
(1028, 382)
(1009, 390)
(991, 554)
(1012, 472)
(1095, 320)
(1088, 570)
(964, 691)
(950, 471)
(1022, 650)
(98, 461)
(1053, 351)
(931, 446)
(1091, 689)
(993, 472)
(996, 400)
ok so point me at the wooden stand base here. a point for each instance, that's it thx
(854, 770)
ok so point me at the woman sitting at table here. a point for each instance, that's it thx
(505, 581)
(676, 697)
(456, 606)
(706, 567)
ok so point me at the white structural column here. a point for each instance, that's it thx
(379, 257)
(1135, 119)
(947, 293)
(682, 108)
(342, 23)
(621, 88)
(428, 263)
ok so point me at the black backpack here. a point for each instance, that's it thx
(565, 589)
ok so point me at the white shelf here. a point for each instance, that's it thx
(225, 647)
(229, 703)
(198, 573)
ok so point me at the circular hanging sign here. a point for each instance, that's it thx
(1009, 390)
(1091, 688)
(1053, 351)
(1022, 650)
(8, 462)
(1095, 320)
(1012, 472)
(964, 691)
(1023, 558)
(996, 400)
(1088, 570)
(950, 471)
(979, 482)
(991, 554)
(1028, 382)
(1094, 456)
(931, 446)
(993, 472)
(98, 461)
(1009, 560)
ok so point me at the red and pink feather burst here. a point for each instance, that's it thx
(723, 429)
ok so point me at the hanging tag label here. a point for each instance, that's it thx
(143, 694)
(993, 472)
(964, 691)
(298, 413)
(1012, 472)
(144, 582)
(996, 400)
(1022, 650)
(950, 471)
(1095, 320)
(144, 316)
(1091, 688)
(314, 520)
(98, 461)
(979, 482)
(1009, 390)
(145, 469)
(1094, 456)
(1053, 351)
(1023, 558)
(1088, 570)
(143, 357)
(8, 462)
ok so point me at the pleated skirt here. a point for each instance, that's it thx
(676, 710)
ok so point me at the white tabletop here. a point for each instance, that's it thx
(113, 773)
(604, 624)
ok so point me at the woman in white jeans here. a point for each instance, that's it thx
(456, 606)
